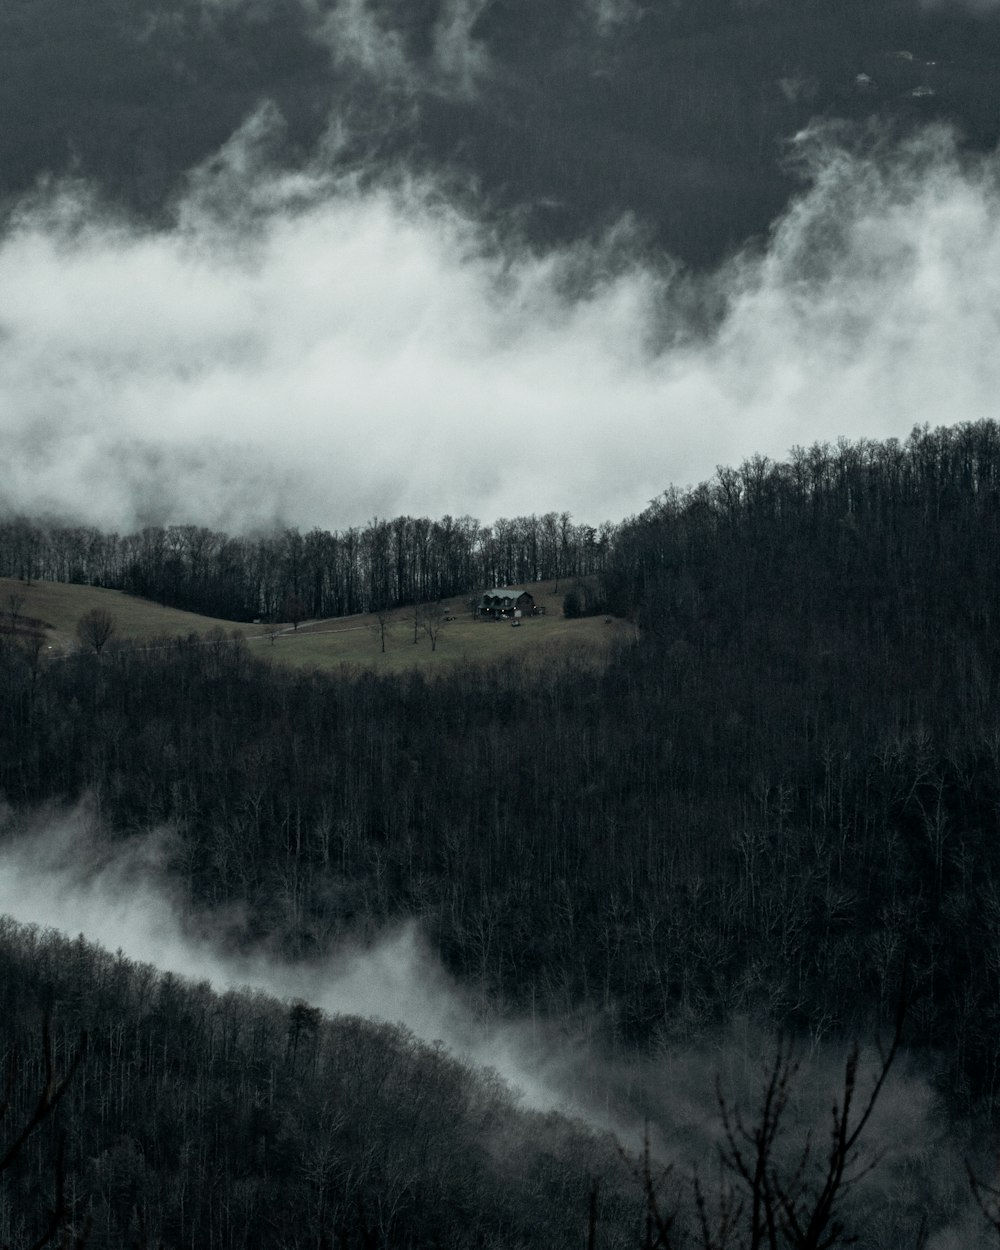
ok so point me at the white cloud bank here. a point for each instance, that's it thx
(297, 348)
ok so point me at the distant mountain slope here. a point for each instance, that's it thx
(779, 799)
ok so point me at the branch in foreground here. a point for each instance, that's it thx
(53, 1088)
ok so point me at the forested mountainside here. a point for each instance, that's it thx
(165, 1114)
(563, 116)
(196, 1119)
(779, 803)
(784, 791)
(384, 564)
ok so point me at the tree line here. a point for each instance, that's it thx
(788, 781)
(196, 1118)
(381, 565)
(782, 793)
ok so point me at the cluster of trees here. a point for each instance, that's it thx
(320, 574)
(659, 846)
(672, 112)
(202, 1119)
(156, 1112)
(784, 790)
(793, 777)
(584, 599)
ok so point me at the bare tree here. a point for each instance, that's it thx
(94, 628)
(15, 603)
(432, 617)
(987, 1198)
(659, 1224)
(381, 625)
(762, 1202)
(54, 1086)
(294, 610)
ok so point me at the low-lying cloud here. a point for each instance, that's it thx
(59, 870)
(313, 350)
(611, 15)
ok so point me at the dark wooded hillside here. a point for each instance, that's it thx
(233, 1120)
(785, 790)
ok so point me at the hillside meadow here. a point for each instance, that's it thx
(55, 608)
(354, 641)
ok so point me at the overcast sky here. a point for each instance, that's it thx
(294, 349)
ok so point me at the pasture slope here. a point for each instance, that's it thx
(354, 641)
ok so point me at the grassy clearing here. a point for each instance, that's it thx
(326, 645)
(59, 606)
(355, 640)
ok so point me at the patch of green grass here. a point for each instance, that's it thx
(327, 645)
(354, 641)
(59, 606)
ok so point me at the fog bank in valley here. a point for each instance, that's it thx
(58, 870)
(314, 350)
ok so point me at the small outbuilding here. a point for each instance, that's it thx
(502, 604)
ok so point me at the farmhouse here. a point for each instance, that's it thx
(497, 604)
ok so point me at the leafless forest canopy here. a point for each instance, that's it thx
(280, 279)
(779, 803)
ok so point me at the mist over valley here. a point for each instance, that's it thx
(498, 532)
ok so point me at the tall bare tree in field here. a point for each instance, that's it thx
(294, 610)
(15, 604)
(95, 628)
(381, 625)
(432, 617)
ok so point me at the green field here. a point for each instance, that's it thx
(55, 607)
(353, 641)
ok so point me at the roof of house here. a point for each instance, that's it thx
(506, 592)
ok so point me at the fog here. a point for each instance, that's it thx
(314, 349)
(59, 870)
